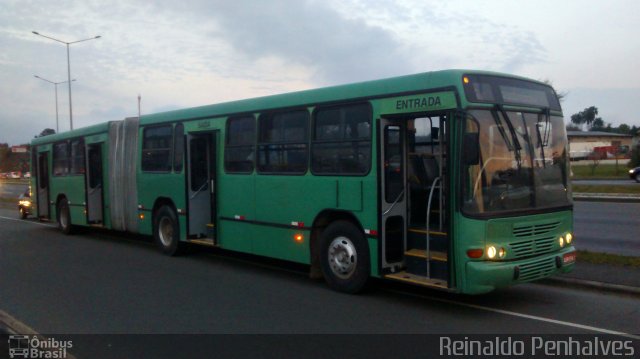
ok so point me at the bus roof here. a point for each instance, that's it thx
(408, 83)
(84, 131)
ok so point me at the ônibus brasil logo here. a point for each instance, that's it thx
(33, 347)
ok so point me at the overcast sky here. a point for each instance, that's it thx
(178, 54)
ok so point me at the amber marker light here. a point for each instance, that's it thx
(298, 238)
(141, 215)
(465, 79)
(474, 253)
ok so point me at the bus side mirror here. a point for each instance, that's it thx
(471, 149)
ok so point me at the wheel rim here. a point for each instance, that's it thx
(165, 231)
(343, 257)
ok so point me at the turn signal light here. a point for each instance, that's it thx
(474, 253)
(141, 215)
(298, 238)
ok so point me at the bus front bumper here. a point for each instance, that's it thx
(486, 276)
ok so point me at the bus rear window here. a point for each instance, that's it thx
(508, 91)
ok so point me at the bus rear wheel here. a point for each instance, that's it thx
(64, 217)
(344, 257)
(166, 231)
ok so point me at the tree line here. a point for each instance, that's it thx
(588, 118)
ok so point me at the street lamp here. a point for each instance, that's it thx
(68, 67)
(55, 85)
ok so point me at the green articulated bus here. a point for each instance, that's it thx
(456, 180)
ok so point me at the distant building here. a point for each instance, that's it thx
(581, 143)
(19, 149)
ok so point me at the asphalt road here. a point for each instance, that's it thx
(99, 282)
(607, 227)
(12, 190)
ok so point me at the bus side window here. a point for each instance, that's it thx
(156, 148)
(240, 144)
(341, 141)
(178, 148)
(61, 159)
(283, 142)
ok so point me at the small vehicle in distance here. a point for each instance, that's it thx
(24, 205)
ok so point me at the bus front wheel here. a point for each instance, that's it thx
(64, 217)
(344, 257)
(166, 231)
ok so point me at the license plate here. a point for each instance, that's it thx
(569, 258)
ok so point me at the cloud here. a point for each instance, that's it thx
(307, 33)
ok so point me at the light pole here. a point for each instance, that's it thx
(68, 68)
(55, 85)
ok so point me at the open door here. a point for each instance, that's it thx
(42, 181)
(393, 193)
(201, 185)
(413, 157)
(94, 183)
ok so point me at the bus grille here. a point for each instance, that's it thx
(537, 270)
(534, 229)
(533, 247)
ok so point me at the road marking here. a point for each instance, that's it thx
(24, 221)
(527, 316)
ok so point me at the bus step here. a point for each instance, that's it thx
(438, 241)
(418, 280)
(438, 266)
(422, 255)
(203, 242)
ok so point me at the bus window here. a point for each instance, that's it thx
(61, 159)
(199, 164)
(393, 168)
(240, 145)
(178, 148)
(156, 148)
(282, 145)
(77, 157)
(342, 140)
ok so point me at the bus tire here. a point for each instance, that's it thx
(64, 217)
(166, 231)
(344, 257)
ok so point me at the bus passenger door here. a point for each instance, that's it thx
(94, 184)
(42, 180)
(201, 185)
(392, 193)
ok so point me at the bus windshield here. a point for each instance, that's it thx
(523, 162)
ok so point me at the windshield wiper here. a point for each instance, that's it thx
(543, 140)
(516, 144)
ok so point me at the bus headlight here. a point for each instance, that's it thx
(568, 238)
(491, 252)
(502, 253)
(561, 241)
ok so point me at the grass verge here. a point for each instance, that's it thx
(583, 188)
(606, 258)
(601, 171)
